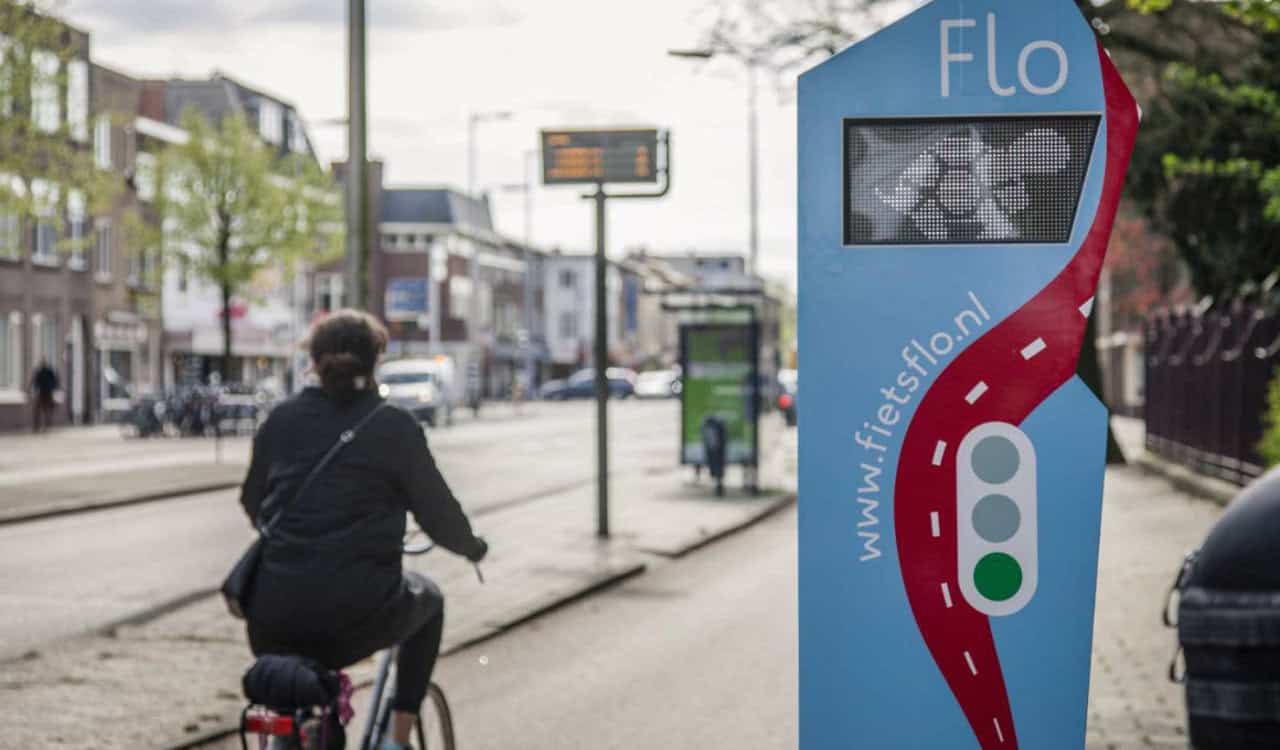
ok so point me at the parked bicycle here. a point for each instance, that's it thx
(316, 724)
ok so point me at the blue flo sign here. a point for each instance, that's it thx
(959, 177)
(407, 298)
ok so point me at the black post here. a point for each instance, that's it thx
(602, 377)
(357, 159)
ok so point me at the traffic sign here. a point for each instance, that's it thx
(594, 156)
(959, 178)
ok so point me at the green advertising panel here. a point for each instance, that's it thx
(720, 374)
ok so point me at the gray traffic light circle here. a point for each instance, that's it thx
(995, 460)
(996, 518)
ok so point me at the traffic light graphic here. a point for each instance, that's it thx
(996, 519)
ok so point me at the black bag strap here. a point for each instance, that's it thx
(344, 439)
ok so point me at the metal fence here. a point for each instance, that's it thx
(1206, 385)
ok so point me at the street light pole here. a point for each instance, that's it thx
(473, 120)
(526, 188)
(357, 155)
(753, 145)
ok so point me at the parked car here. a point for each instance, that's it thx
(658, 384)
(788, 383)
(552, 390)
(582, 384)
(419, 387)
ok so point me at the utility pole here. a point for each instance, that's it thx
(357, 158)
(530, 167)
(753, 157)
(602, 367)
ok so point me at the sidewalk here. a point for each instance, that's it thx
(176, 678)
(1131, 434)
(29, 501)
(74, 469)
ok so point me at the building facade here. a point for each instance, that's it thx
(47, 283)
(448, 285)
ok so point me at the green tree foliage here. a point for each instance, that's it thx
(233, 209)
(37, 52)
(1269, 448)
(1207, 167)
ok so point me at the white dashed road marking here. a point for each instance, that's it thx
(946, 595)
(936, 524)
(999, 731)
(976, 393)
(938, 452)
(968, 658)
(1034, 348)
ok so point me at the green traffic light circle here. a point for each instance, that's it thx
(997, 577)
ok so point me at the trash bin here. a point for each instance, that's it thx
(1229, 626)
(715, 440)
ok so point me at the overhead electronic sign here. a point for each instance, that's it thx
(597, 156)
(959, 174)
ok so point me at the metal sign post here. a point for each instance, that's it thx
(598, 157)
(959, 176)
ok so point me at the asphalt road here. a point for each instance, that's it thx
(68, 575)
(699, 653)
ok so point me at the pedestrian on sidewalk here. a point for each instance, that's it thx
(43, 383)
(331, 586)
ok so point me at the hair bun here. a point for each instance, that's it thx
(345, 347)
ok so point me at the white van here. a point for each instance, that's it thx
(422, 387)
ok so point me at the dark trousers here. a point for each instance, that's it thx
(414, 620)
(42, 414)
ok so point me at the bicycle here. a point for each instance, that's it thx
(315, 727)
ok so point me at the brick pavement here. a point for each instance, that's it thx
(1147, 528)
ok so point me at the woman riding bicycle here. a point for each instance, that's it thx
(331, 586)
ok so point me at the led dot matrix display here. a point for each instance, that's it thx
(984, 180)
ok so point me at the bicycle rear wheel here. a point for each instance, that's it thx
(435, 722)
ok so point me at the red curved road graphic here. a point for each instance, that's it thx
(1022, 361)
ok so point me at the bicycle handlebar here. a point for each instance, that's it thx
(422, 548)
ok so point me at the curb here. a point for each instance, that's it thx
(679, 551)
(88, 507)
(1184, 479)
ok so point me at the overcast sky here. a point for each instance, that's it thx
(550, 62)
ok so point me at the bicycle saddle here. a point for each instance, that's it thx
(286, 683)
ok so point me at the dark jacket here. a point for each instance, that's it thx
(332, 566)
(44, 382)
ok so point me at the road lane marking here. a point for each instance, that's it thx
(936, 524)
(938, 452)
(1087, 308)
(969, 660)
(946, 594)
(1034, 348)
(976, 393)
(999, 731)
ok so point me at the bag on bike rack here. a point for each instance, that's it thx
(290, 682)
(238, 584)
